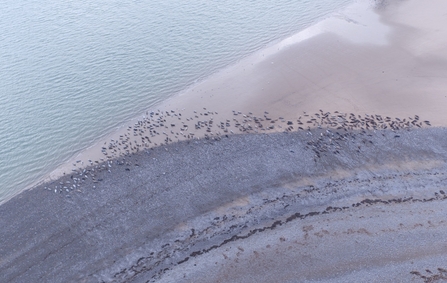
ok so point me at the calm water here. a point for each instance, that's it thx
(72, 71)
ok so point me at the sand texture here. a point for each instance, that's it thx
(376, 57)
(254, 182)
(243, 209)
(388, 60)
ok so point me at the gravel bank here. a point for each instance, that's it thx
(184, 211)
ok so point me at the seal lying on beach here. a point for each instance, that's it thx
(242, 208)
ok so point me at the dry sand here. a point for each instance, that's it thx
(391, 60)
(264, 208)
(388, 59)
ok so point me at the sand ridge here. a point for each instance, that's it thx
(323, 67)
(354, 192)
(126, 226)
(163, 128)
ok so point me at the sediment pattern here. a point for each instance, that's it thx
(162, 128)
(149, 216)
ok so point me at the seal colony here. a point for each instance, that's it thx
(231, 207)
(255, 196)
(162, 128)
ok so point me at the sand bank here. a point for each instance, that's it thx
(241, 209)
(302, 205)
(369, 59)
(380, 61)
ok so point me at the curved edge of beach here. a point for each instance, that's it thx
(267, 206)
(254, 207)
(371, 58)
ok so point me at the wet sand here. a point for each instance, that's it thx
(242, 209)
(369, 59)
(340, 197)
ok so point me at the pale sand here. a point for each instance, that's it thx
(398, 71)
(389, 60)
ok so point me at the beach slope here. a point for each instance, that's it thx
(364, 201)
(242, 209)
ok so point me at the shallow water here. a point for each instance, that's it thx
(72, 71)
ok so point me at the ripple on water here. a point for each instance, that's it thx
(71, 72)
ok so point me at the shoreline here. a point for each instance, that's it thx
(324, 83)
(92, 152)
(305, 200)
(374, 91)
(160, 129)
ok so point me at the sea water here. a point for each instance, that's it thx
(73, 71)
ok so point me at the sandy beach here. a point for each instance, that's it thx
(321, 158)
(243, 209)
(370, 59)
(381, 61)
